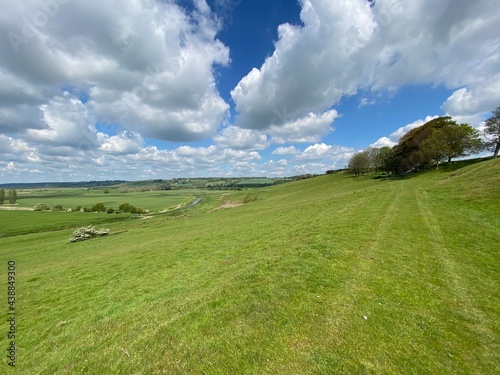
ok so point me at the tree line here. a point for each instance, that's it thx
(439, 140)
(12, 194)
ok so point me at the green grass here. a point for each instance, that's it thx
(280, 285)
(71, 198)
(14, 223)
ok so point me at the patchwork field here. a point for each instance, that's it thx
(71, 198)
(332, 274)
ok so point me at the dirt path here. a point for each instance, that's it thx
(13, 208)
(180, 208)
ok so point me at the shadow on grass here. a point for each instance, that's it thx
(443, 168)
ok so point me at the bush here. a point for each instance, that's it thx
(86, 209)
(126, 207)
(250, 197)
(85, 233)
(57, 208)
(98, 207)
(106, 191)
(77, 209)
(110, 210)
(41, 207)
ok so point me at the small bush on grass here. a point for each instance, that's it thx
(98, 207)
(126, 207)
(250, 197)
(85, 233)
(41, 207)
(110, 210)
(57, 208)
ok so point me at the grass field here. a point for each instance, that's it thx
(329, 275)
(71, 198)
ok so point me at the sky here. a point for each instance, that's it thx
(158, 89)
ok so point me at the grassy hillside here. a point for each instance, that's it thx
(332, 274)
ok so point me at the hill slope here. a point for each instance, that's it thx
(328, 275)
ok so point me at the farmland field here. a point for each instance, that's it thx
(71, 198)
(332, 274)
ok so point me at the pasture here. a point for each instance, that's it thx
(153, 201)
(332, 274)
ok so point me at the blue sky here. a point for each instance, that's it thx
(161, 89)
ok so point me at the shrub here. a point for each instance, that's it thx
(250, 197)
(98, 207)
(57, 207)
(86, 209)
(106, 191)
(110, 210)
(41, 207)
(85, 233)
(77, 209)
(126, 207)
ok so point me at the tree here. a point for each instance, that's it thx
(359, 163)
(12, 196)
(2, 196)
(407, 153)
(382, 159)
(437, 140)
(492, 131)
(460, 140)
(431, 148)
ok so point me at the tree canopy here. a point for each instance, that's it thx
(359, 163)
(426, 146)
(437, 140)
(492, 131)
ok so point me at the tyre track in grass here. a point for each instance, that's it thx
(343, 312)
(460, 301)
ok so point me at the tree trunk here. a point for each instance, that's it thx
(497, 148)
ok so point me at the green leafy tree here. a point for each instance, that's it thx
(98, 207)
(12, 196)
(407, 153)
(424, 146)
(2, 196)
(431, 149)
(360, 163)
(492, 131)
(381, 159)
(459, 140)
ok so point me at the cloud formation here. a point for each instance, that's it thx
(90, 89)
(393, 139)
(345, 46)
(144, 66)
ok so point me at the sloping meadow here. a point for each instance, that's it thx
(333, 274)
